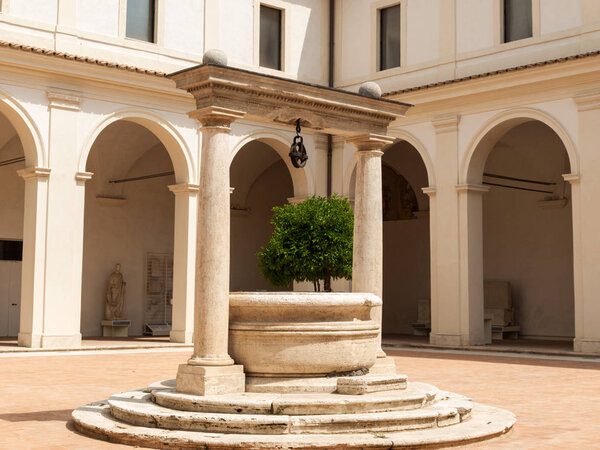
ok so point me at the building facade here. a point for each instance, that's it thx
(492, 175)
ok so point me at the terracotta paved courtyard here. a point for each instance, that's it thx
(557, 402)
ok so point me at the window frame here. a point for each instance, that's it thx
(499, 24)
(284, 7)
(157, 38)
(376, 35)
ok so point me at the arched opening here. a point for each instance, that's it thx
(406, 261)
(130, 220)
(527, 232)
(12, 207)
(260, 180)
(406, 247)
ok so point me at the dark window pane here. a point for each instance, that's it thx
(140, 20)
(517, 20)
(270, 37)
(11, 250)
(389, 38)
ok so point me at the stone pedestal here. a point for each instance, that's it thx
(115, 328)
(206, 380)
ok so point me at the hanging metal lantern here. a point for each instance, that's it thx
(297, 150)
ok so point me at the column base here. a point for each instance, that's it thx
(586, 345)
(181, 336)
(210, 380)
(49, 340)
(383, 366)
(455, 340)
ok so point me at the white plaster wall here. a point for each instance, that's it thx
(125, 234)
(99, 16)
(529, 246)
(183, 22)
(356, 52)
(236, 30)
(423, 31)
(474, 25)
(38, 10)
(559, 15)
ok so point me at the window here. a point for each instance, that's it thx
(270, 38)
(11, 250)
(517, 20)
(389, 37)
(140, 20)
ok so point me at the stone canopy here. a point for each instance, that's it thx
(271, 99)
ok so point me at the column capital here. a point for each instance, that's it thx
(429, 190)
(216, 117)
(370, 142)
(587, 101)
(33, 172)
(184, 188)
(446, 123)
(83, 176)
(477, 188)
(296, 200)
(572, 178)
(63, 100)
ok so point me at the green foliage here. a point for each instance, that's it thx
(312, 241)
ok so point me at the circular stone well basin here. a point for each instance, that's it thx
(302, 334)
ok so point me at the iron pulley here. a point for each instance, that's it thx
(297, 149)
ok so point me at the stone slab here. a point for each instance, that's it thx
(137, 408)
(383, 366)
(210, 380)
(415, 396)
(368, 384)
(486, 422)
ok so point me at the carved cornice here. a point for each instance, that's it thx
(446, 124)
(185, 188)
(278, 100)
(33, 172)
(370, 142)
(63, 100)
(477, 188)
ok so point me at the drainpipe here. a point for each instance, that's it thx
(327, 280)
(330, 80)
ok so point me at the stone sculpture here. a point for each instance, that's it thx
(115, 295)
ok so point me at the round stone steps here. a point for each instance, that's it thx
(137, 408)
(486, 422)
(415, 396)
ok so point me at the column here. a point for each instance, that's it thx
(34, 256)
(211, 370)
(367, 257)
(585, 195)
(184, 259)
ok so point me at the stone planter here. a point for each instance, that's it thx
(302, 334)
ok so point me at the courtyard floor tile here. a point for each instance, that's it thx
(557, 401)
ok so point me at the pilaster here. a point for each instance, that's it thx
(184, 258)
(585, 192)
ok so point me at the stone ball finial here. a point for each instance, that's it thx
(215, 56)
(370, 89)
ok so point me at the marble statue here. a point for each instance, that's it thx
(115, 295)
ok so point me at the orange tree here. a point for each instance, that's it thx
(312, 241)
